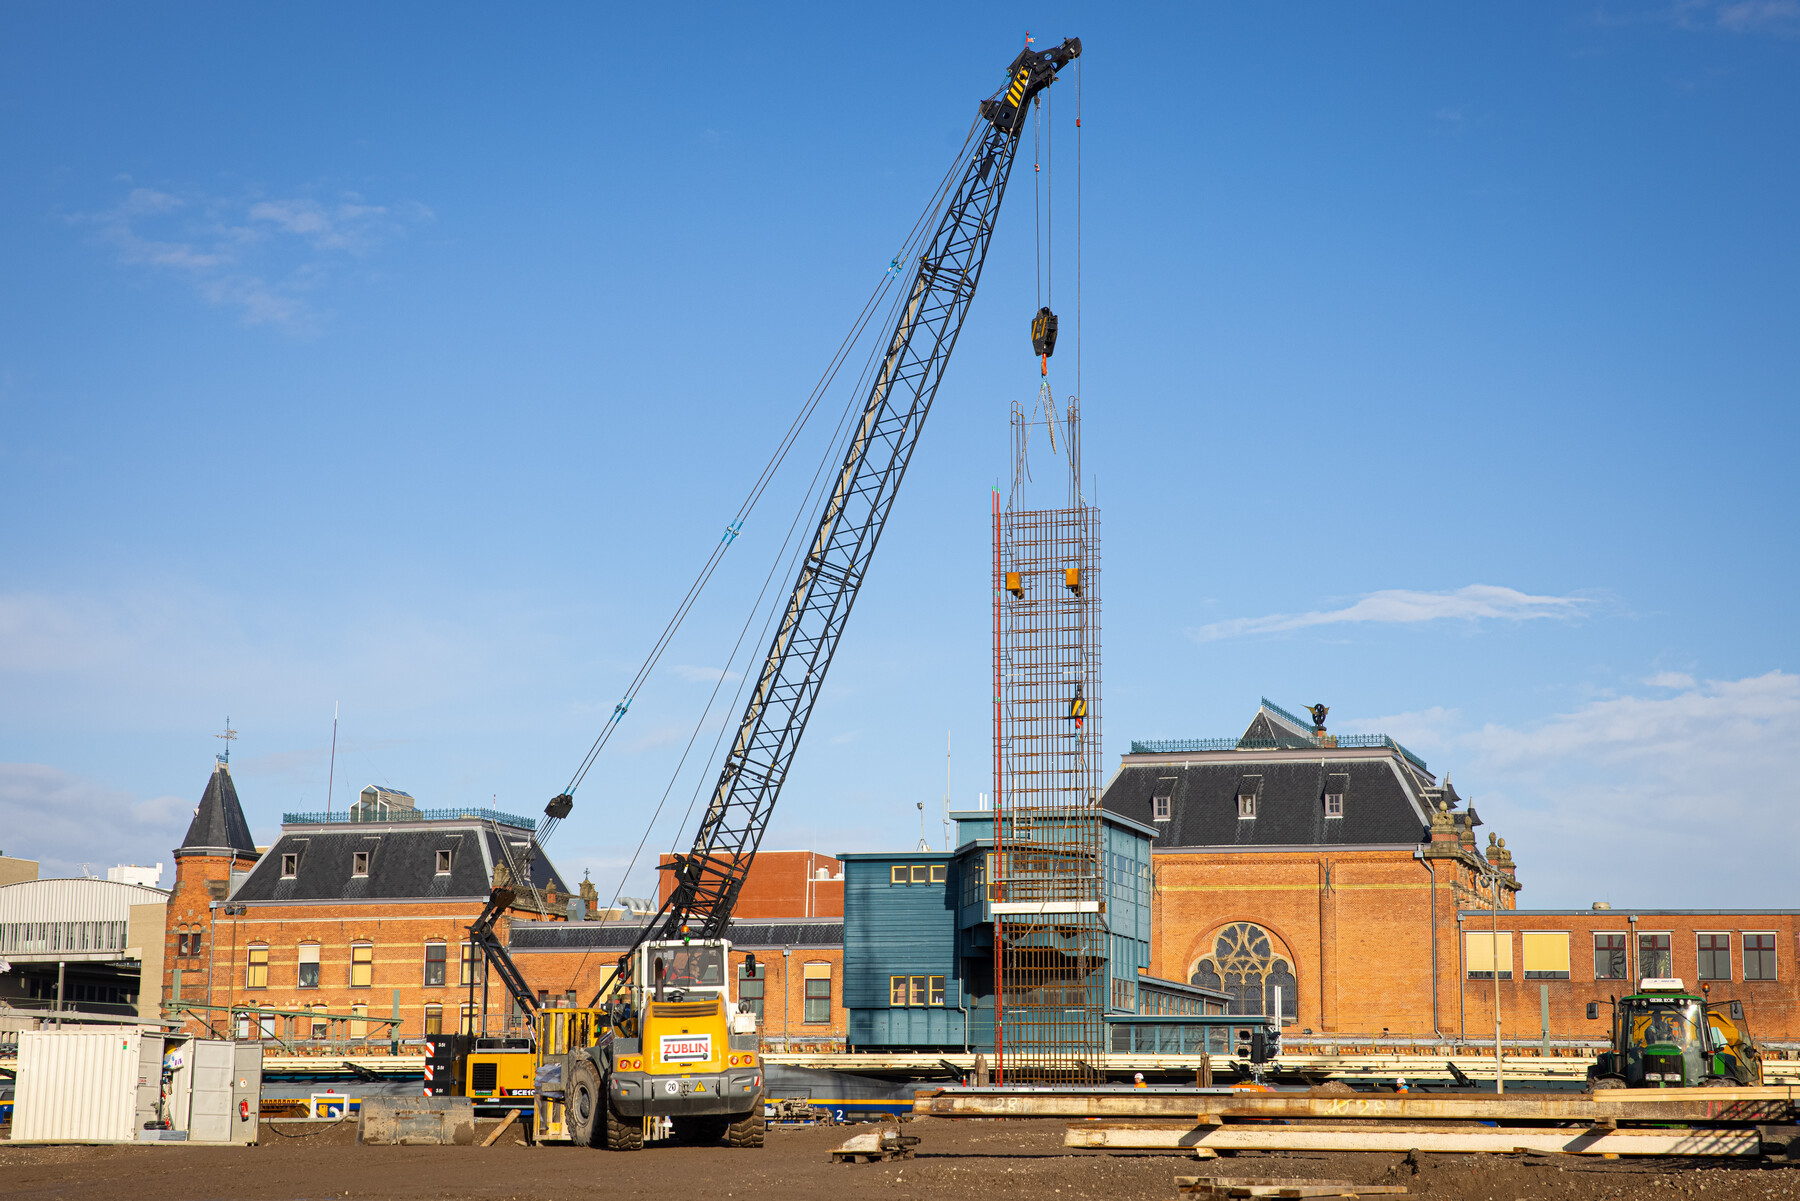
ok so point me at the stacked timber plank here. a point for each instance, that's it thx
(1205, 1122)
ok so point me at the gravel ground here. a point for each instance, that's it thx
(978, 1159)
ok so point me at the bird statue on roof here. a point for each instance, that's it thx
(1318, 714)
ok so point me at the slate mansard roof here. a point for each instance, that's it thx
(402, 862)
(1388, 795)
(616, 936)
(218, 827)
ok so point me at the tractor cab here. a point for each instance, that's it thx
(1666, 1037)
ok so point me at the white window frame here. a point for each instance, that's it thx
(1246, 806)
(1568, 937)
(1730, 957)
(1160, 807)
(290, 865)
(359, 863)
(1637, 950)
(1626, 935)
(1339, 798)
(1744, 954)
(445, 859)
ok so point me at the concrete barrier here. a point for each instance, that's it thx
(416, 1121)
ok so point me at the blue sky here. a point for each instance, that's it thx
(1439, 364)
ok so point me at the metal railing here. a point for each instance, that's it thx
(1182, 746)
(410, 815)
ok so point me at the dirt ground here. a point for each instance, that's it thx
(982, 1160)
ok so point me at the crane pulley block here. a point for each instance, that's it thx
(1043, 333)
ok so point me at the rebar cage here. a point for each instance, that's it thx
(1048, 888)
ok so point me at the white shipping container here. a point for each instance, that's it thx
(77, 1086)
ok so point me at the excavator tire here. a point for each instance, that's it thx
(622, 1133)
(747, 1131)
(700, 1131)
(586, 1101)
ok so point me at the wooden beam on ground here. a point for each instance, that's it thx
(1476, 1139)
(1278, 1186)
(494, 1136)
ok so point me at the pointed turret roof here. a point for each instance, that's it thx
(219, 826)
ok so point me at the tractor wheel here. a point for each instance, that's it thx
(1596, 1085)
(700, 1131)
(747, 1131)
(623, 1133)
(585, 1101)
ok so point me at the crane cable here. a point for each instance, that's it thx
(909, 247)
(807, 505)
(766, 476)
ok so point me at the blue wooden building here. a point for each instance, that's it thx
(919, 940)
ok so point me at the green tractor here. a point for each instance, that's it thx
(1666, 1037)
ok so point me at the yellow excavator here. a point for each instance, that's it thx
(1664, 1036)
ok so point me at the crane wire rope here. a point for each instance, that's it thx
(765, 477)
(910, 247)
(783, 556)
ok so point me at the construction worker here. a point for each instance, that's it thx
(1137, 1080)
(1400, 1085)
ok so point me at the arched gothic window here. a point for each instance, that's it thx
(1246, 963)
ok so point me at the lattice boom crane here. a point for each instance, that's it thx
(708, 877)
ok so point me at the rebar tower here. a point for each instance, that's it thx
(1048, 890)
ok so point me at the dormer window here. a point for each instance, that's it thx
(1334, 804)
(443, 863)
(359, 863)
(290, 866)
(1159, 808)
(1246, 804)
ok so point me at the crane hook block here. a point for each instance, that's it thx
(1043, 333)
(559, 805)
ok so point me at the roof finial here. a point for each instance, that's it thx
(230, 736)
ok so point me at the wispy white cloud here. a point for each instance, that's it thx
(65, 821)
(704, 675)
(1476, 602)
(1779, 18)
(264, 257)
(1760, 16)
(1686, 797)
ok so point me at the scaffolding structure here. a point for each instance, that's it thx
(1047, 885)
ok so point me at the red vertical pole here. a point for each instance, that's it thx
(999, 824)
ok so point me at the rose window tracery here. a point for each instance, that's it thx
(1248, 964)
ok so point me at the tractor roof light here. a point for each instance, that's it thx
(1662, 984)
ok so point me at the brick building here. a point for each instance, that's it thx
(359, 914)
(1552, 962)
(217, 849)
(1341, 872)
(780, 884)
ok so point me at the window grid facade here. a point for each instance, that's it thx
(1759, 956)
(1609, 957)
(1714, 956)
